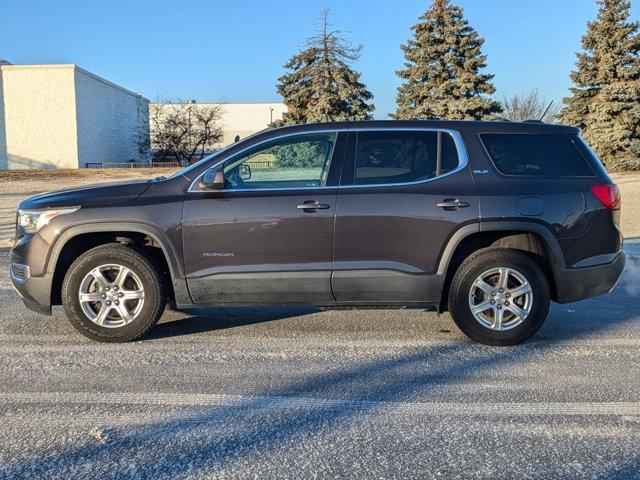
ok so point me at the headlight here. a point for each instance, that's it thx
(33, 220)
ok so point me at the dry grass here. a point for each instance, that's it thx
(31, 182)
(17, 185)
(629, 184)
(84, 173)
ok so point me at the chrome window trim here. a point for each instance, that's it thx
(461, 149)
(193, 188)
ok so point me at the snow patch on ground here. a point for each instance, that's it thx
(102, 434)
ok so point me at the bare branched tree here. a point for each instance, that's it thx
(181, 131)
(529, 106)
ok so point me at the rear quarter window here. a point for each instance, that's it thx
(543, 155)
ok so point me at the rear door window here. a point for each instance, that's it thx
(396, 156)
(536, 155)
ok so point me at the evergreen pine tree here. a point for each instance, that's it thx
(442, 74)
(320, 85)
(605, 98)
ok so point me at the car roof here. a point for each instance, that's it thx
(466, 125)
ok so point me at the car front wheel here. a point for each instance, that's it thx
(113, 293)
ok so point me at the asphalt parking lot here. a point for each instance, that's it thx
(302, 393)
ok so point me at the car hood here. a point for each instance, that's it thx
(115, 193)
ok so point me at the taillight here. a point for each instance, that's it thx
(609, 195)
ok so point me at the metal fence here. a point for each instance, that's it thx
(133, 165)
(258, 165)
(262, 164)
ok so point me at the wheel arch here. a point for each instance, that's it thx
(75, 240)
(530, 237)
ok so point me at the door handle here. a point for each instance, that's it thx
(451, 204)
(312, 206)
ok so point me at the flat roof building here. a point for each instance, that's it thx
(62, 116)
(239, 120)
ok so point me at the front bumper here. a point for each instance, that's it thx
(28, 272)
(579, 283)
(35, 293)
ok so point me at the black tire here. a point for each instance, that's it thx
(146, 270)
(482, 261)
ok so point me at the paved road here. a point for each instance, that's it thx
(301, 393)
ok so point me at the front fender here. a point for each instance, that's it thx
(168, 249)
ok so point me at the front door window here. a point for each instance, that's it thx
(296, 162)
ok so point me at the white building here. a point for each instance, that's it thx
(61, 116)
(239, 120)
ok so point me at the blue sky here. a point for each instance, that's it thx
(234, 50)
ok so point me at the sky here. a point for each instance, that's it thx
(233, 51)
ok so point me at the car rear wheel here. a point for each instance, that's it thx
(499, 296)
(113, 293)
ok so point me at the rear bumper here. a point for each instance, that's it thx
(579, 283)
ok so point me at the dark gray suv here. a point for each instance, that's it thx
(489, 220)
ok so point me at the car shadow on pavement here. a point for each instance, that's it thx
(201, 320)
(417, 374)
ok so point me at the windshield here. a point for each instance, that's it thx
(185, 171)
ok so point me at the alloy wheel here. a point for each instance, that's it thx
(111, 295)
(500, 298)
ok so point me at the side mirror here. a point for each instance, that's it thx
(244, 171)
(213, 179)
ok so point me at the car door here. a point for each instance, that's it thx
(267, 237)
(402, 195)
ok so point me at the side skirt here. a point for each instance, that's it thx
(386, 287)
(342, 288)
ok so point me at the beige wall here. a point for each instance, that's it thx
(108, 119)
(39, 116)
(3, 143)
(61, 116)
(245, 119)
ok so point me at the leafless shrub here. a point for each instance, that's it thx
(529, 106)
(180, 131)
